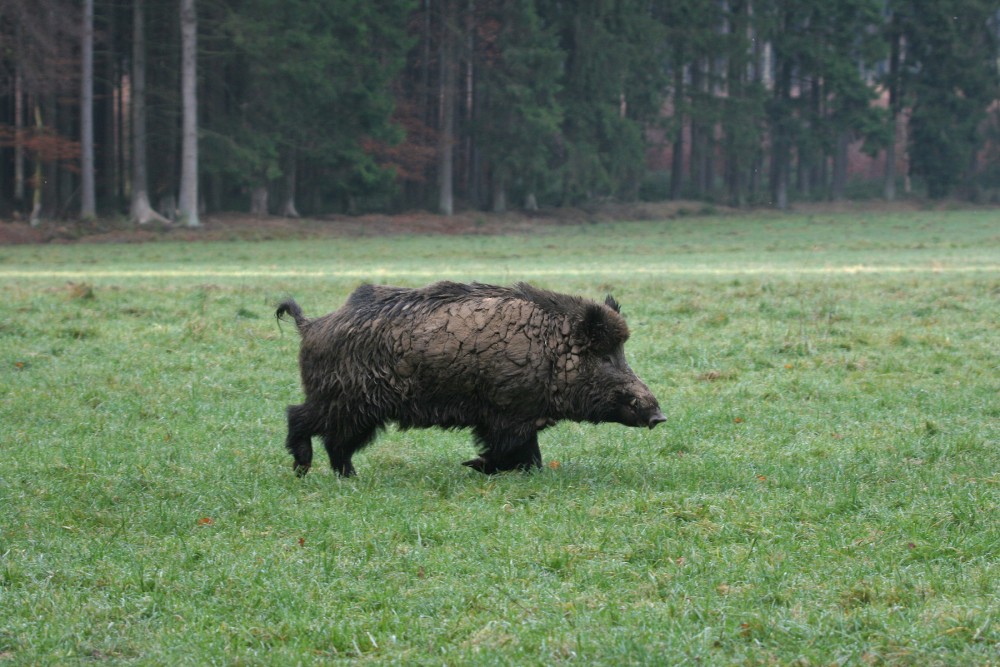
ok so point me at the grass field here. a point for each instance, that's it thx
(826, 490)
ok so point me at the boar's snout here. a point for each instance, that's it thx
(639, 408)
(656, 418)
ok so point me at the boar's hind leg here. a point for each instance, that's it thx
(506, 451)
(341, 447)
(301, 428)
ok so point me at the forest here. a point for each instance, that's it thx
(168, 110)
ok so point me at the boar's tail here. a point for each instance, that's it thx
(288, 306)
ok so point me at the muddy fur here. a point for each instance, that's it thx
(504, 361)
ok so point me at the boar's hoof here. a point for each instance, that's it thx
(481, 464)
(300, 470)
(345, 470)
(488, 467)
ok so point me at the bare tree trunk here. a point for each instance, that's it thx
(780, 179)
(889, 184)
(188, 204)
(18, 137)
(36, 198)
(780, 141)
(696, 167)
(140, 210)
(446, 141)
(470, 167)
(258, 200)
(106, 120)
(88, 196)
(677, 159)
(839, 183)
(288, 209)
(499, 193)
(904, 141)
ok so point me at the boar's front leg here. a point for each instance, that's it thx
(507, 450)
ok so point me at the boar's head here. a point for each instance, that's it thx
(609, 390)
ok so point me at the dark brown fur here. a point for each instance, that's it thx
(504, 361)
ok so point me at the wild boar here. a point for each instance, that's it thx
(506, 362)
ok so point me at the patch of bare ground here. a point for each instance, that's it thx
(236, 226)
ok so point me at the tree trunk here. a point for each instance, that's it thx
(470, 167)
(258, 200)
(780, 140)
(696, 167)
(168, 206)
(839, 183)
(499, 193)
(106, 120)
(188, 203)
(18, 137)
(889, 184)
(446, 140)
(140, 210)
(288, 209)
(709, 144)
(677, 158)
(735, 147)
(88, 195)
(36, 198)
(779, 177)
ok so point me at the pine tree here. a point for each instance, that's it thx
(517, 126)
(307, 93)
(611, 86)
(952, 75)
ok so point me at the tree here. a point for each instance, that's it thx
(140, 210)
(300, 99)
(893, 83)
(518, 116)
(38, 64)
(952, 75)
(612, 85)
(188, 200)
(448, 82)
(88, 194)
(743, 106)
(820, 99)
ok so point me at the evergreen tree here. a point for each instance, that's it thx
(611, 86)
(952, 75)
(517, 126)
(308, 90)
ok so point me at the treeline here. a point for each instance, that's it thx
(164, 107)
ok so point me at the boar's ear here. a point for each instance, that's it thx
(610, 302)
(603, 328)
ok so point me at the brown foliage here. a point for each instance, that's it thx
(412, 158)
(42, 144)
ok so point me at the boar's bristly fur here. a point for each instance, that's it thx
(504, 361)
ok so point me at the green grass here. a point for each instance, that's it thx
(824, 492)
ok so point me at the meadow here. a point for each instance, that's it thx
(825, 490)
